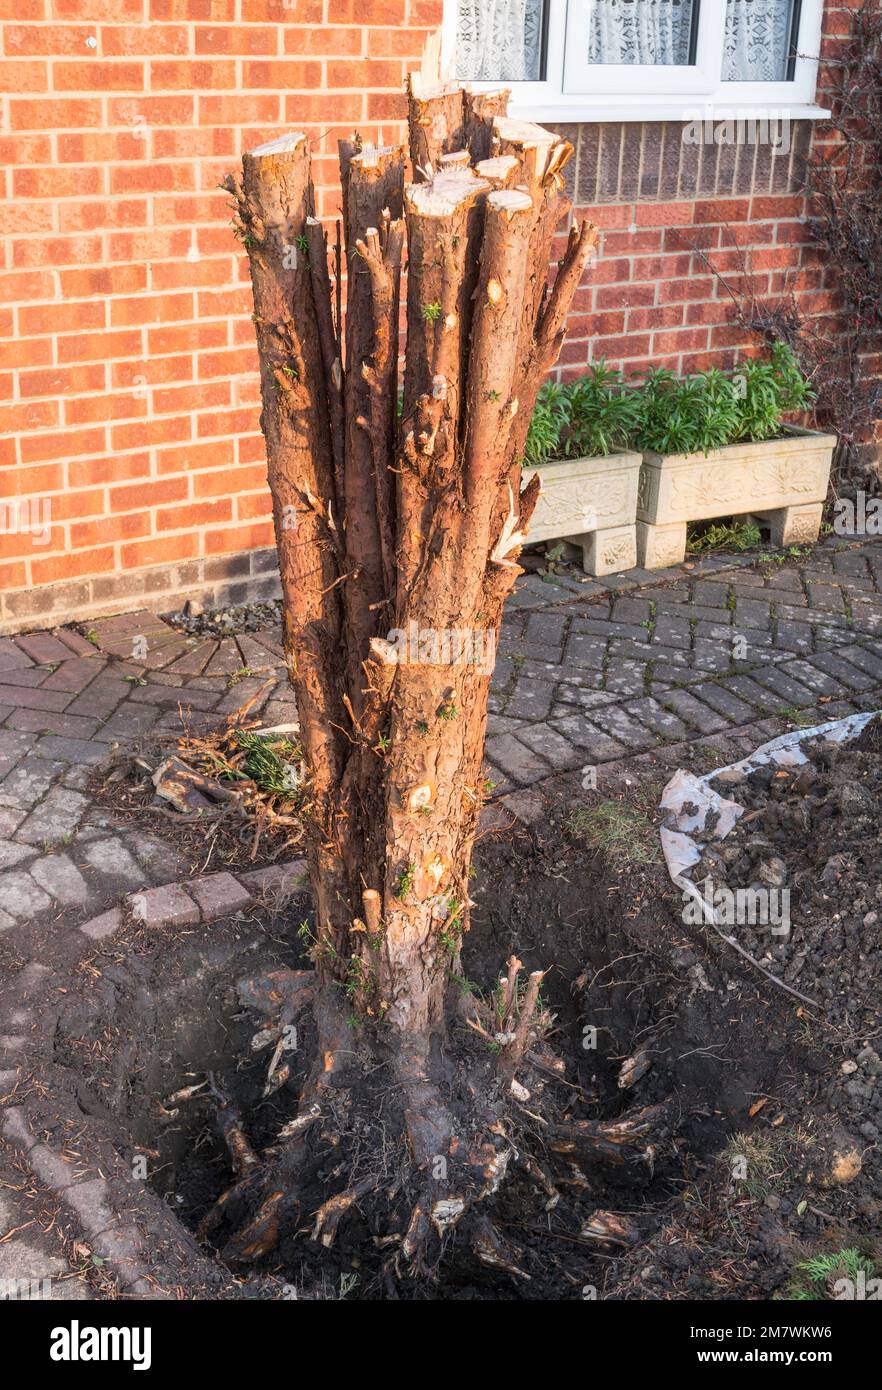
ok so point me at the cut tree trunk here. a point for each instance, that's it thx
(398, 536)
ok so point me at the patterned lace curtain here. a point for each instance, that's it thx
(499, 40)
(757, 42)
(656, 32)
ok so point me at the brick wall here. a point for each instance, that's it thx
(127, 367)
(684, 226)
(128, 385)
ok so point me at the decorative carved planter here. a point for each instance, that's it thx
(781, 481)
(592, 503)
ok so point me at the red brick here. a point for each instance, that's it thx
(158, 491)
(194, 514)
(164, 550)
(239, 40)
(109, 529)
(70, 565)
(56, 113)
(83, 472)
(85, 410)
(100, 76)
(49, 39)
(337, 42)
(97, 347)
(21, 75)
(185, 458)
(49, 182)
(141, 434)
(285, 74)
(150, 309)
(723, 210)
(36, 447)
(147, 40)
(353, 11)
(57, 380)
(238, 538)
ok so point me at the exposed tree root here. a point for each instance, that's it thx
(455, 1125)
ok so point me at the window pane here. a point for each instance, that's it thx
(654, 32)
(499, 40)
(757, 43)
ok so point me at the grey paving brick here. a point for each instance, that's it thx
(70, 750)
(748, 689)
(100, 927)
(154, 694)
(715, 632)
(587, 650)
(842, 671)
(788, 690)
(60, 877)
(101, 698)
(129, 722)
(586, 697)
(693, 712)
(624, 727)
(708, 591)
(501, 724)
(20, 896)
(860, 656)
(710, 614)
(551, 745)
(866, 614)
(601, 627)
(710, 655)
(626, 678)
(54, 819)
(752, 613)
(530, 700)
(597, 745)
(672, 632)
(660, 720)
(795, 637)
(812, 676)
(12, 854)
(547, 628)
(828, 596)
(10, 819)
(537, 651)
(516, 760)
(112, 860)
(721, 699)
(632, 610)
(30, 779)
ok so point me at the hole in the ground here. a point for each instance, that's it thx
(619, 961)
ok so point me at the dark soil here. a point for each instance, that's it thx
(754, 1084)
(816, 830)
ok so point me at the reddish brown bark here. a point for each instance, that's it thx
(404, 529)
(406, 543)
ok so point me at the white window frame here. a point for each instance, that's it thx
(579, 91)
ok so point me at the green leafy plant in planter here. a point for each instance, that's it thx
(588, 418)
(697, 414)
(602, 411)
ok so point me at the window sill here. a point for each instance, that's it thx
(576, 112)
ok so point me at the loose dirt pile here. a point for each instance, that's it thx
(815, 833)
